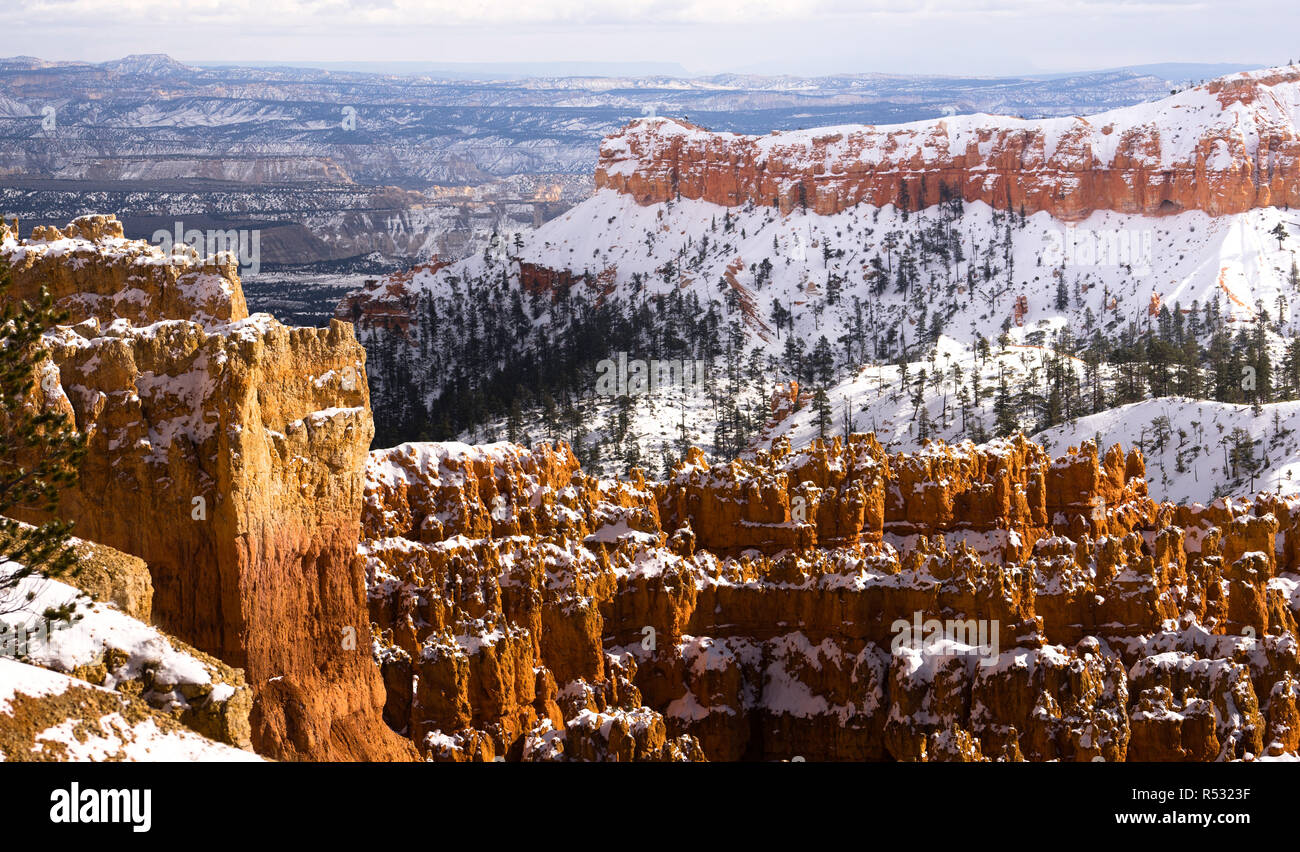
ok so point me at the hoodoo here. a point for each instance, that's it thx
(751, 609)
(226, 451)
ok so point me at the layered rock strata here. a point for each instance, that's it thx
(1224, 147)
(764, 608)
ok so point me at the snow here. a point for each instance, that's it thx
(1113, 265)
(21, 679)
(689, 709)
(107, 736)
(1198, 431)
(100, 627)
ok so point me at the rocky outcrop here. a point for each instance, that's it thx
(834, 603)
(386, 303)
(485, 591)
(102, 637)
(1225, 147)
(535, 278)
(111, 576)
(92, 271)
(226, 452)
(48, 716)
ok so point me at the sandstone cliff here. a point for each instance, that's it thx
(751, 609)
(226, 452)
(1225, 147)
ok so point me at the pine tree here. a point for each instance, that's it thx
(1004, 411)
(1241, 455)
(822, 361)
(41, 453)
(794, 356)
(822, 410)
(923, 425)
(631, 453)
(1279, 233)
(515, 422)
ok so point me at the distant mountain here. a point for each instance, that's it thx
(1174, 71)
(150, 65)
(438, 126)
(475, 70)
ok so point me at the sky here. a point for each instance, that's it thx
(982, 37)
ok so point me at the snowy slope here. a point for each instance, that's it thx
(1188, 443)
(1191, 257)
(171, 678)
(1114, 268)
(884, 286)
(875, 398)
(45, 715)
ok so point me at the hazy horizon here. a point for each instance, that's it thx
(523, 70)
(803, 37)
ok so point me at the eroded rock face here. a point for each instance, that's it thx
(111, 576)
(1225, 147)
(225, 451)
(762, 608)
(486, 594)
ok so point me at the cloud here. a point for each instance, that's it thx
(907, 36)
(487, 13)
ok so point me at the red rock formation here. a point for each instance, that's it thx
(540, 279)
(752, 609)
(385, 303)
(225, 451)
(468, 556)
(1225, 147)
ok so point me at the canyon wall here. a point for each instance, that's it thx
(1225, 147)
(226, 451)
(754, 609)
